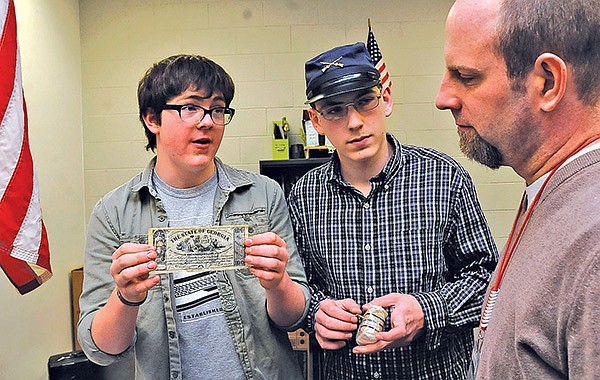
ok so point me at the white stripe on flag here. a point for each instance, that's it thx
(11, 133)
(27, 243)
(3, 13)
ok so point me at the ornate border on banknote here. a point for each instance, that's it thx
(198, 249)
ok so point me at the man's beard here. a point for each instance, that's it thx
(477, 149)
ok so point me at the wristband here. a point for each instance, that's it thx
(129, 303)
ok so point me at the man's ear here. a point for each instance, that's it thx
(388, 101)
(550, 80)
(314, 118)
(151, 122)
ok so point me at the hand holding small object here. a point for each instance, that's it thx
(407, 321)
(335, 321)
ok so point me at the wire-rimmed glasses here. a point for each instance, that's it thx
(339, 111)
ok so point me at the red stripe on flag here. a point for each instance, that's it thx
(44, 258)
(8, 58)
(19, 273)
(385, 78)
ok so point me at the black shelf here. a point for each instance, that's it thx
(287, 172)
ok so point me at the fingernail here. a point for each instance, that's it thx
(151, 265)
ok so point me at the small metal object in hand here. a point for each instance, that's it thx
(372, 323)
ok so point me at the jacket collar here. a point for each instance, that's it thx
(230, 178)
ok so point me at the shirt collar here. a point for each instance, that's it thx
(391, 168)
(535, 187)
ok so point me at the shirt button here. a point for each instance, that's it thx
(370, 289)
(367, 247)
(366, 205)
(172, 334)
(228, 305)
(386, 187)
(161, 218)
(175, 374)
(376, 375)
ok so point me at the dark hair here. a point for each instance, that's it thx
(174, 75)
(567, 28)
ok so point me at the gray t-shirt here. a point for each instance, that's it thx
(206, 348)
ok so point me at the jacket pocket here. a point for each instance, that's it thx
(256, 219)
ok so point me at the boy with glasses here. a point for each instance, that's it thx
(221, 324)
(390, 225)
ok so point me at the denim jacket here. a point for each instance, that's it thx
(126, 213)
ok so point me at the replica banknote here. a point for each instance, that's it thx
(198, 249)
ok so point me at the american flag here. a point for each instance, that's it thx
(24, 251)
(377, 58)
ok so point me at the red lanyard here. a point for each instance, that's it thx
(511, 246)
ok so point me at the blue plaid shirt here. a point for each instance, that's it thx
(420, 231)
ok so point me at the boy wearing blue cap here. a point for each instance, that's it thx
(390, 225)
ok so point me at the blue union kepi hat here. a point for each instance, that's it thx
(340, 70)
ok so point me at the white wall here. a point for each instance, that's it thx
(37, 325)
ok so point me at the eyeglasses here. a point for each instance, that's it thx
(191, 113)
(339, 111)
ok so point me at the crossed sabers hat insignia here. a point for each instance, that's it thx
(328, 65)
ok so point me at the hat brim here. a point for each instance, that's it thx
(342, 87)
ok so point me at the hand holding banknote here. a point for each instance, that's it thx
(267, 256)
(130, 268)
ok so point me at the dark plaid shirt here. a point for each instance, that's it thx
(420, 231)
